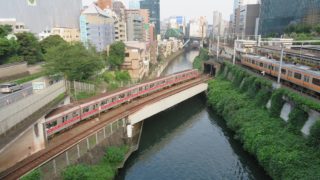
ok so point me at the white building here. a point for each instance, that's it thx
(198, 27)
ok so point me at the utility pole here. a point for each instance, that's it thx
(218, 48)
(234, 51)
(281, 59)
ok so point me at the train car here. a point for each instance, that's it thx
(296, 75)
(66, 116)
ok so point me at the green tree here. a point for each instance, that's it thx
(5, 30)
(73, 61)
(29, 48)
(8, 49)
(116, 54)
(51, 41)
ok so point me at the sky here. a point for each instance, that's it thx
(191, 8)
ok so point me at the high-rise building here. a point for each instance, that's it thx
(236, 13)
(39, 15)
(104, 4)
(198, 27)
(97, 27)
(135, 25)
(154, 8)
(276, 15)
(134, 4)
(120, 21)
(248, 18)
(217, 23)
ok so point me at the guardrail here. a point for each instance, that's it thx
(16, 96)
(13, 114)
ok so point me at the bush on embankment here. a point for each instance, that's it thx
(198, 61)
(283, 153)
(105, 170)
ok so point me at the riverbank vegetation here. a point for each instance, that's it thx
(104, 170)
(278, 146)
(203, 56)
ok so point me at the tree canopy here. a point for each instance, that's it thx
(116, 54)
(29, 48)
(51, 41)
(73, 61)
(5, 30)
(8, 50)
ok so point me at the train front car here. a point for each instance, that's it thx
(61, 119)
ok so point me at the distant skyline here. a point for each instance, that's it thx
(190, 9)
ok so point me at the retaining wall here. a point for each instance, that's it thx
(13, 114)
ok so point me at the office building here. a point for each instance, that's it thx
(68, 34)
(134, 4)
(97, 27)
(135, 25)
(277, 15)
(198, 27)
(217, 23)
(154, 8)
(248, 19)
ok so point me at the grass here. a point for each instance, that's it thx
(83, 95)
(104, 170)
(29, 78)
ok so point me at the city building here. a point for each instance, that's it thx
(134, 4)
(41, 15)
(104, 4)
(17, 27)
(276, 15)
(68, 34)
(217, 23)
(198, 27)
(135, 25)
(154, 8)
(236, 12)
(248, 20)
(97, 27)
(120, 21)
(137, 60)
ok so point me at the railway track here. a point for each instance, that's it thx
(46, 155)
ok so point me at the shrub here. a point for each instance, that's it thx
(297, 119)
(277, 103)
(315, 134)
(115, 155)
(33, 175)
(76, 172)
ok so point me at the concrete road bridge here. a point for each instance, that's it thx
(65, 148)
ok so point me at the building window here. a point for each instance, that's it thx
(127, 54)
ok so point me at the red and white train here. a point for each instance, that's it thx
(66, 116)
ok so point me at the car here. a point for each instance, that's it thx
(10, 87)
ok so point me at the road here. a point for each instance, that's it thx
(6, 99)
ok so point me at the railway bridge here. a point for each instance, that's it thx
(67, 147)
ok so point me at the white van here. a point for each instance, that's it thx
(9, 87)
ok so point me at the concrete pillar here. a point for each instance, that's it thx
(104, 133)
(67, 158)
(78, 150)
(88, 144)
(97, 138)
(54, 166)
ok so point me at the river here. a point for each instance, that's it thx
(189, 141)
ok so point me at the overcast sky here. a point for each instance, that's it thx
(191, 8)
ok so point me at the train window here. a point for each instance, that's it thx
(103, 102)
(297, 75)
(306, 78)
(121, 96)
(261, 64)
(316, 81)
(95, 106)
(140, 89)
(114, 99)
(74, 114)
(86, 109)
(152, 85)
(283, 71)
(52, 124)
(270, 67)
(277, 69)
(290, 73)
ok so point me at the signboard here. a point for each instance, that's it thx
(32, 2)
(38, 85)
